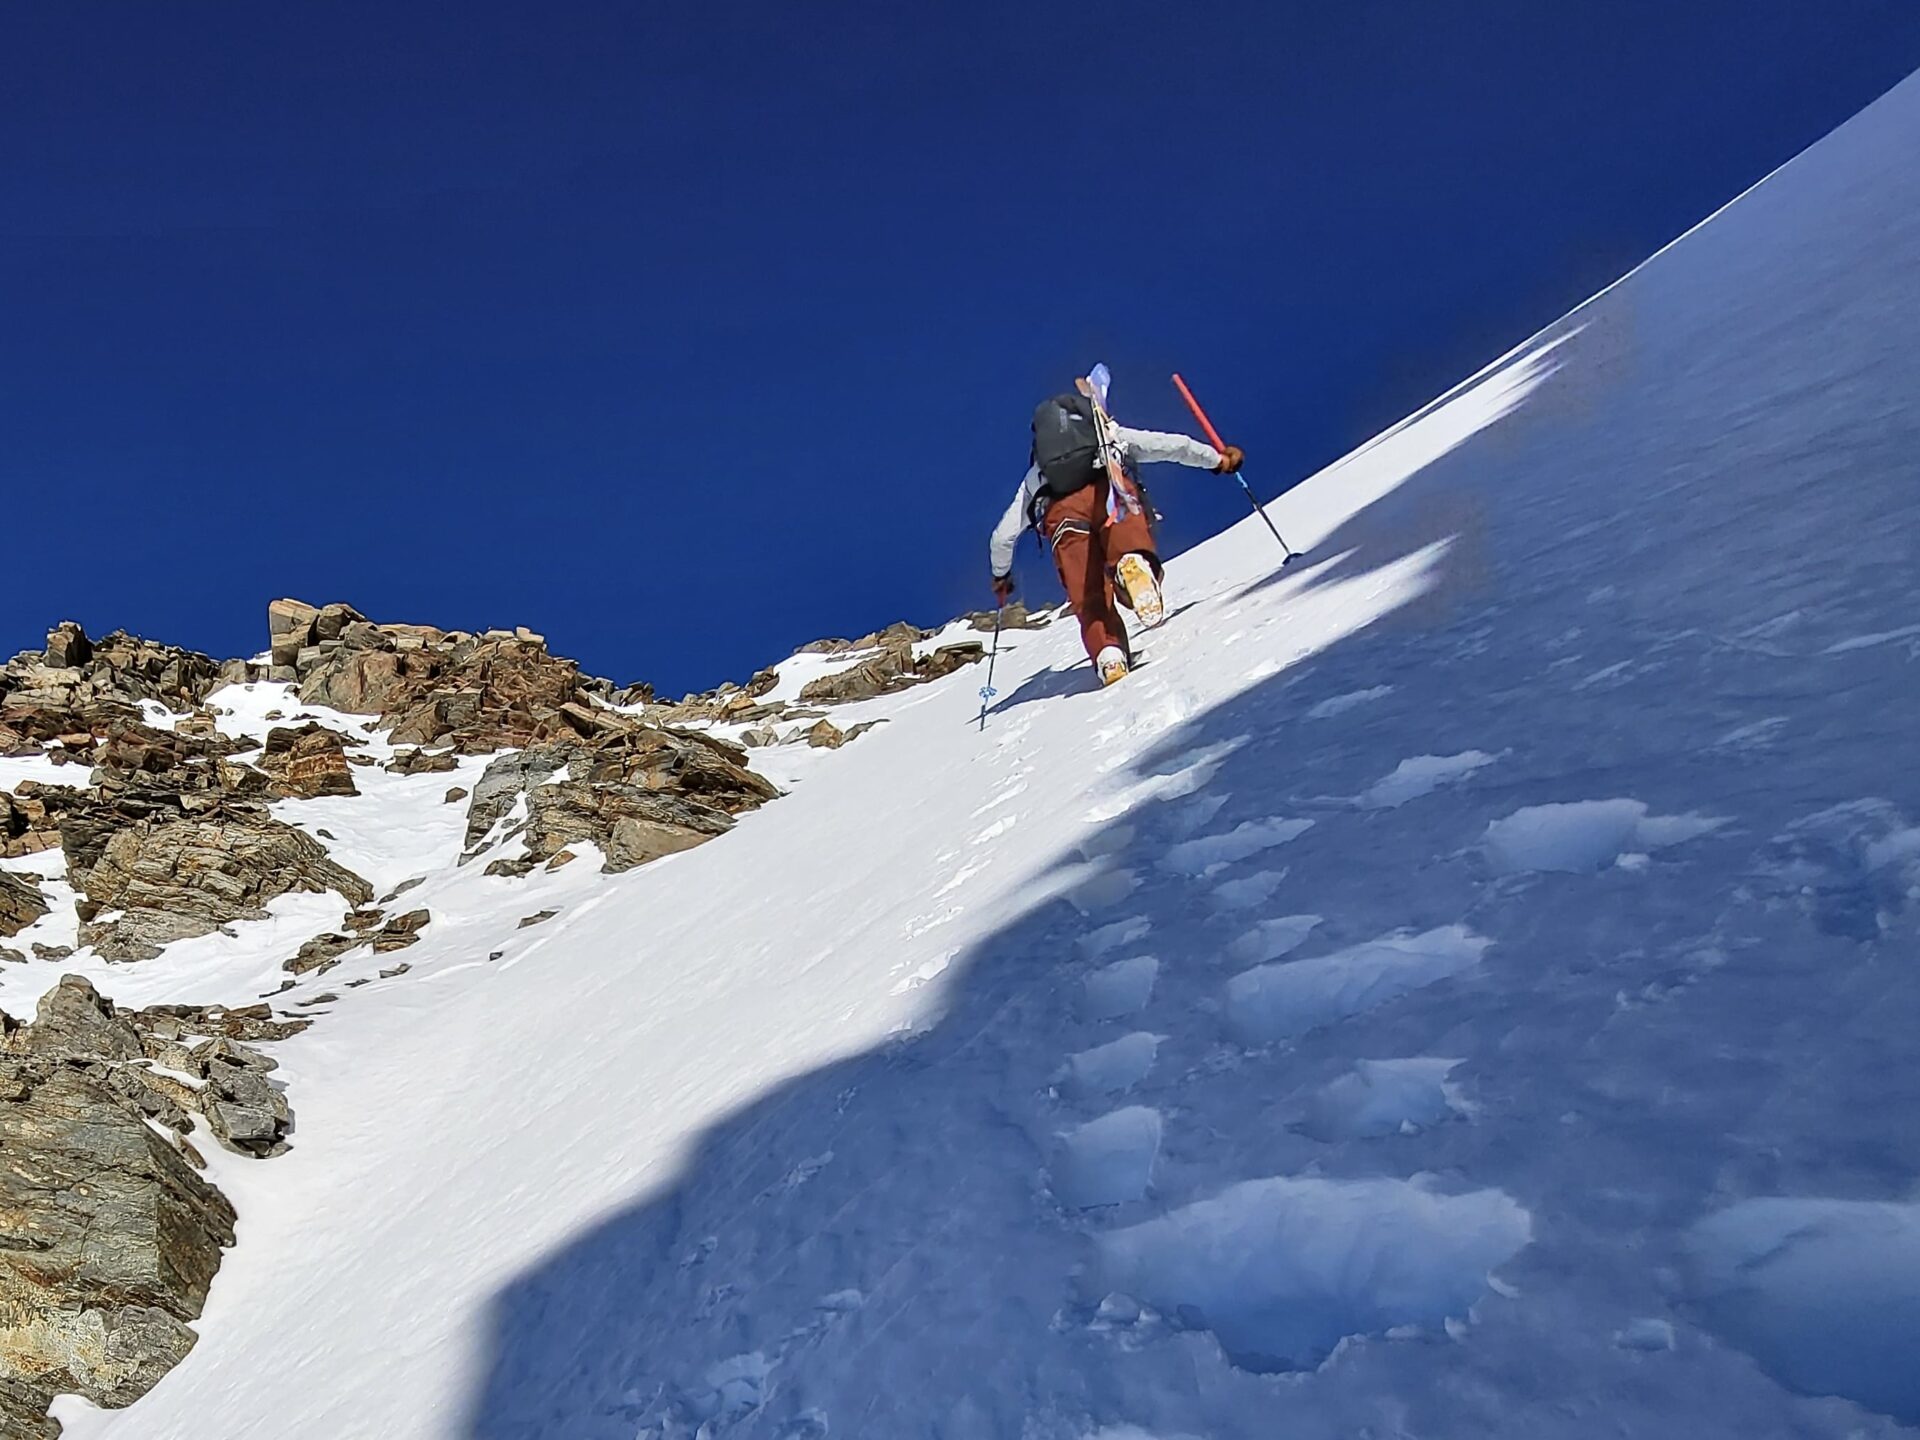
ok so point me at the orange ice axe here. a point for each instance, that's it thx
(1213, 438)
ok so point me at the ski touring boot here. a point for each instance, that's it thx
(1135, 575)
(1112, 665)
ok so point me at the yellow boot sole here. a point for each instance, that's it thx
(1143, 591)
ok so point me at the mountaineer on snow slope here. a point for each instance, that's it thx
(1081, 497)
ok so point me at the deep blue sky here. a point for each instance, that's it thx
(687, 333)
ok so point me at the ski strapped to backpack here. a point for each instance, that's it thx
(1122, 493)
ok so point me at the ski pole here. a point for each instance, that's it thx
(1213, 435)
(987, 692)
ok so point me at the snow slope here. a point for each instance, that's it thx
(1465, 985)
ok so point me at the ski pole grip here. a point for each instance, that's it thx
(1213, 435)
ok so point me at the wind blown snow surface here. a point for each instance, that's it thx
(1059, 1080)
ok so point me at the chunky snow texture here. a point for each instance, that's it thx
(1824, 1293)
(780, 1137)
(1275, 1002)
(1117, 1066)
(1108, 1161)
(1282, 1270)
(1380, 1097)
(1420, 775)
(1585, 835)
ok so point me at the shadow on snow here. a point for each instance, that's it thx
(903, 1244)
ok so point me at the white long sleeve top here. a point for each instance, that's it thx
(1138, 446)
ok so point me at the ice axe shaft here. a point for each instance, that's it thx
(1213, 437)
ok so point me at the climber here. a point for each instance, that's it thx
(1081, 496)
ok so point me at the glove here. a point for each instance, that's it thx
(1230, 459)
(1002, 589)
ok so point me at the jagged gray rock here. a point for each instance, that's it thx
(78, 1026)
(245, 1111)
(638, 793)
(506, 779)
(167, 881)
(630, 823)
(108, 1239)
(895, 667)
(74, 1021)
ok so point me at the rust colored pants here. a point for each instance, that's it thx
(1087, 542)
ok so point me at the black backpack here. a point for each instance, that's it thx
(1066, 444)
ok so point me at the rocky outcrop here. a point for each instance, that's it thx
(173, 838)
(154, 883)
(629, 823)
(21, 902)
(423, 762)
(68, 647)
(68, 695)
(289, 631)
(895, 667)
(897, 634)
(728, 703)
(21, 1413)
(889, 670)
(113, 1241)
(108, 1238)
(247, 1022)
(949, 658)
(29, 817)
(1015, 616)
(246, 1111)
(472, 693)
(321, 953)
(638, 793)
(226, 1083)
(142, 774)
(368, 928)
(505, 780)
(307, 761)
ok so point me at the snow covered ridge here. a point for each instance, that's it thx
(1461, 986)
(153, 800)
